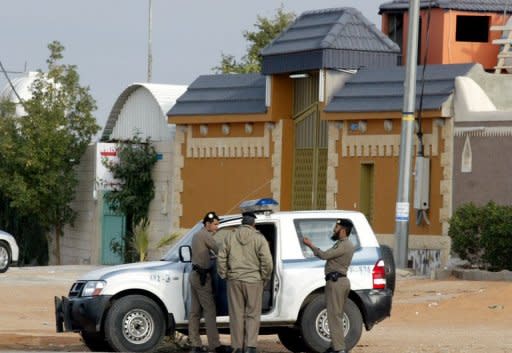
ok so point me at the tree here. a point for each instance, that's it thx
(40, 150)
(136, 159)
(267, 30)
(29, 234)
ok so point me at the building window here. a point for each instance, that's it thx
(472, 29)
(396, 28)
(467, 156)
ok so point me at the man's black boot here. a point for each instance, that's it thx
(223, 349)
(199, 350)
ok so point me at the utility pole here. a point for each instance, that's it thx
(150, 56)
(406, 139)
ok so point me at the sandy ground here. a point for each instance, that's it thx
(428, 316)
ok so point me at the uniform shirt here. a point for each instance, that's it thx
(202, 243)
(245, 256)
(338, 257)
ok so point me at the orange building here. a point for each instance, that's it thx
(454, 31)
(247, 136)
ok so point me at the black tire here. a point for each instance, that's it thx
(389, 266)
(292, 340)
(95, 341)
(134, 323)
(315, 329)
(5, 257)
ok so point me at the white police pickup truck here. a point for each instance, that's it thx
(132, 307)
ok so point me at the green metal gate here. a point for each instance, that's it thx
(113, 227)
(310, 150)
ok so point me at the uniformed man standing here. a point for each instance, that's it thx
(201, 287)
(246, 262)
(337, 285)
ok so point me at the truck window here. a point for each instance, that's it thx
(173, 253)
(319, 231)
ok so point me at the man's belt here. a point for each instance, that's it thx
(333, 276)
(203, 272)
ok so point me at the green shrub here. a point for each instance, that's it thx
(465, 231)
(497, 236)
(483, 235)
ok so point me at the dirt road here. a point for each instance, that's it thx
(449, 316)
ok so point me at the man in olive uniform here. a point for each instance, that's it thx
(337, 285)
(246, 262)
(201, 287)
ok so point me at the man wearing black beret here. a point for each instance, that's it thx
(202, 298)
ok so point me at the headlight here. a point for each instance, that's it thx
(93, 288)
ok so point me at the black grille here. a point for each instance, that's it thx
(76, 289)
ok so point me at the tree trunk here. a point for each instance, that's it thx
(129, 256)
(58, 233)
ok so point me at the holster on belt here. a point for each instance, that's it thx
(203, 273)
(333, 276)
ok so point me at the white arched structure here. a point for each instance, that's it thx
(22, 85)
(142, 107)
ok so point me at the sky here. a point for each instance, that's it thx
(108, 39)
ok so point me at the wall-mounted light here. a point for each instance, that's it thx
(299, 75)
(203, 129)
(439, 122)
(226, 129)
(248, 128)
(388, 125)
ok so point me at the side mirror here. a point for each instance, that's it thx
(185, 253)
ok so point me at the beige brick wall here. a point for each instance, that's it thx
(81, 243)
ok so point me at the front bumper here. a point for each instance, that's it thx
(80, 313)
(376, 305)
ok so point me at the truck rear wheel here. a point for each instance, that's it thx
(315, 328)
(134, 323)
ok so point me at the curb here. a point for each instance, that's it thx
(481, 275)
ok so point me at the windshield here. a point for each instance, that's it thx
(173, 253)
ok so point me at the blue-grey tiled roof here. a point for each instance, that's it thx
(462, 5)
(377, 90)
(327, 37)
(223, 94)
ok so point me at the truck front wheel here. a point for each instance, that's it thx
(315, 328)
(134, 323)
